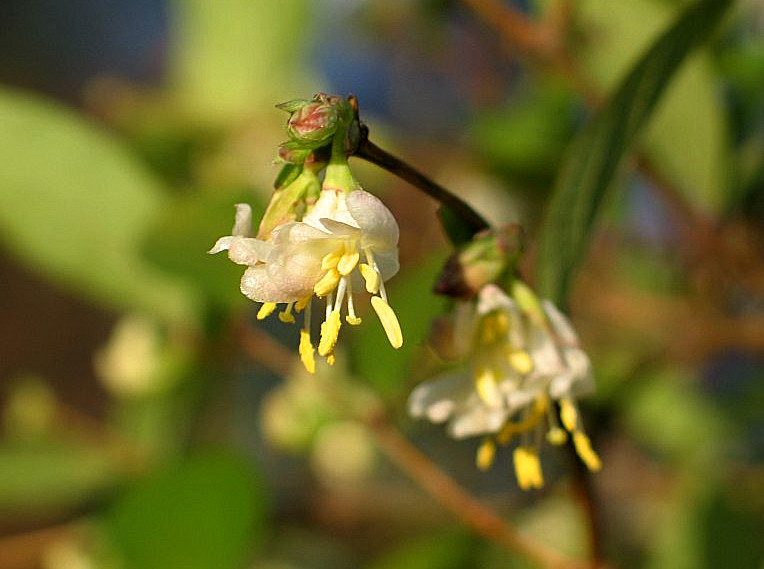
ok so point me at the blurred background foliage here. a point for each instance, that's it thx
(150, 422)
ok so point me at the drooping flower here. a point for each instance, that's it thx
(525, 356)
(348, 241)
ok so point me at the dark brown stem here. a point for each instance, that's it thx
(374, 154)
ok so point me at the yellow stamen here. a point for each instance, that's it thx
(330, 329)
(585, 451)
(327, 283)
(347, 262)
(371, 277)
(330, 359)
(527, 468)
(265, 310)
(389, 321)
(286, 314)
(485, 454)
(306, 352)
(556, 436)
(568, 414)
(485, 383)
(330, 260)
(353, 320)
(531, 420)
(302, 303)
(521, 361)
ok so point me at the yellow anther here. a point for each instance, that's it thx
(286, 314)
(330, 260)
(527, 468)
(371, 277)
(529, 421)
(556, 436)
(265, 310)
(302, 303)
(347, 262)
(330, 329)
(585, 451)
(485, 454)
(521, 361)
(306, 352)
(330, 359)
(353, 320)
(327, 283)
(389, 321)
(568, 414)
(485, 383)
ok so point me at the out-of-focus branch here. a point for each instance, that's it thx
(263, 349)
(467, 508)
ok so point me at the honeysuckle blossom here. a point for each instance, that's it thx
(347, 242)
(525, 356)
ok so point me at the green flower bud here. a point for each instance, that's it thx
(481, 261)
(313, 122)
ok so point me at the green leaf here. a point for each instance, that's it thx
(687, 137)
(234, 56)
(205, 512)
(49, 476)
(594, 159)
(730, 532)
(76, 205)
(446, 550)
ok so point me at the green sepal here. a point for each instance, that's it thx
(288, 202)
(293, 105)
(287, 174)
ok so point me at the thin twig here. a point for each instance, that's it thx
(374, 154)
(454, 497)
(263, 349)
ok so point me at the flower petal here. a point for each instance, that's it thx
(438, 398)
(380, 230)
(560, 324)
(242, 225)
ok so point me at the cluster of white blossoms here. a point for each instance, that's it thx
(347, 241)
(525, 356)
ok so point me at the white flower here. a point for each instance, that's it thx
(348, 241)
(523, 359)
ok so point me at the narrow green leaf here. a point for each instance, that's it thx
(596, 154)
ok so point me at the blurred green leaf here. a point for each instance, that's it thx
(181, 238)
(412, 299)
(233, 56)
(731, 537)
(446, 550)
(526, 140)
(75, 206)
(51, 475)
(667, 414)
(205, 512)
(687, 136)
(594, 159)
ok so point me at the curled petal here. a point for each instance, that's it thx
(491, 298)
(560, 324)
(379, 228)
(477, 419)
(438, 399)
(248, 250)
(242, 225)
